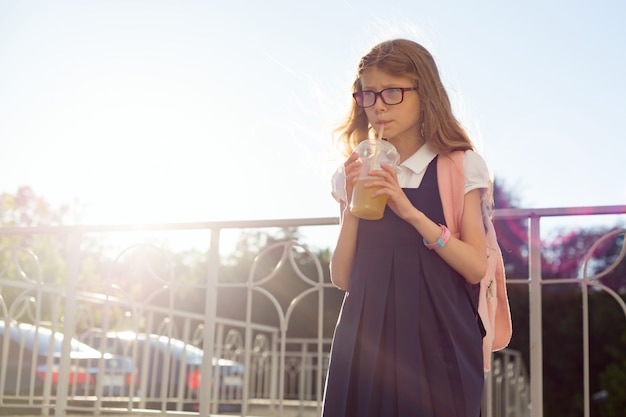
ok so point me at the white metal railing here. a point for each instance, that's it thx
(279, 368)
(507, 387)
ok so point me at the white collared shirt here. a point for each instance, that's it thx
(412, 170)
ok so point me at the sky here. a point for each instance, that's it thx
(180, 111)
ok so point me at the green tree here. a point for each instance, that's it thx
(613, 381)
(26, 208)
(30, 257)
(254, 253)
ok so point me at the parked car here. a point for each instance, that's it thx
(170, 369)
(24, 352)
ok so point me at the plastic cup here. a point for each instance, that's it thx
(372, 153)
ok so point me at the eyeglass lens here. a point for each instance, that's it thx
(389, 96)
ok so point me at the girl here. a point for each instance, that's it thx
(408, 341)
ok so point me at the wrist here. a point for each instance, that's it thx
(417, 219)
(347, 214)
(441, 240)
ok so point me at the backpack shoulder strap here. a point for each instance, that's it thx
(451, 182)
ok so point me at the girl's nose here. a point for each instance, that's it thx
(379, 104)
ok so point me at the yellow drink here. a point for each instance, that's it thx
(363, 205)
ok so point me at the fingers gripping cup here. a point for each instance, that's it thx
(372, 153)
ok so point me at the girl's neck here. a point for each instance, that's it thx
(406, 146)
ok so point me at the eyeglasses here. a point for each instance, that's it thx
(389, 96)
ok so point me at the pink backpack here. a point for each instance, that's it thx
(493, 302)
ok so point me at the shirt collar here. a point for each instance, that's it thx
(420, 159)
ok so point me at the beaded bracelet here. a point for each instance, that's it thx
(441, 240)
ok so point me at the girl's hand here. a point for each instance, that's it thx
(396, 198)
(351, 169)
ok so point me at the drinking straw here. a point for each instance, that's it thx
(377, 150)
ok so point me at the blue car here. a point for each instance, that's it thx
(24, 365)
(170, 369)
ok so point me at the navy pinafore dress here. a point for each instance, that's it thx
(408, 341)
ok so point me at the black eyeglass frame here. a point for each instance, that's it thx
(380, 94)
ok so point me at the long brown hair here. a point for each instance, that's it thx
(405, 58)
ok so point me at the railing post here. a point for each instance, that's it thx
(69, 322)
(274, 373)
(208, 333)
(487, 407)
(536, 345)
(319, 389)
(303, 381)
